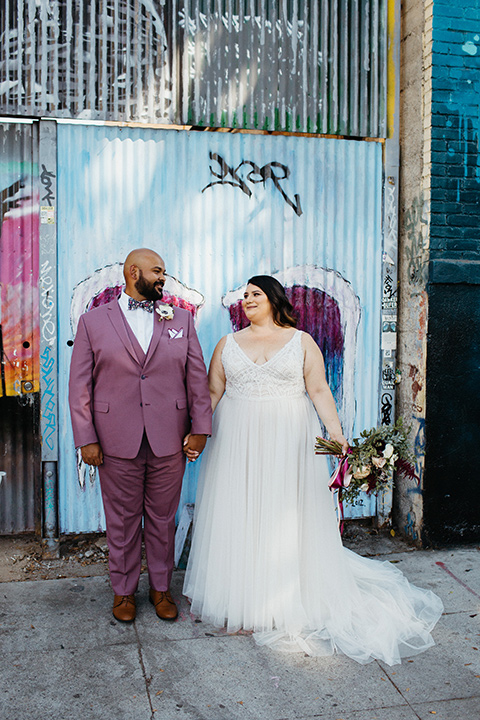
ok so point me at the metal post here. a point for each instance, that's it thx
(50, 508)
(390, 241)
(48, 331)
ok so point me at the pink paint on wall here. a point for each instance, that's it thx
(19, 272)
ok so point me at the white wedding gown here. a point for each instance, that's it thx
(266, 552)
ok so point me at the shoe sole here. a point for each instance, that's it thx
(123, 621)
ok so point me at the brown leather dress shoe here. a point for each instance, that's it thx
(124, 608)
(164, 604)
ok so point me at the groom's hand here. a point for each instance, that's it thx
(193, 446)
(92, 454)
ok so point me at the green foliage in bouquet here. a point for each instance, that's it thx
(372, 460)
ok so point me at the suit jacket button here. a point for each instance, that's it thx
(141, 404)
(143, 377)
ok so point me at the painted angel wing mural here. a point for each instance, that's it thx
(328, 309)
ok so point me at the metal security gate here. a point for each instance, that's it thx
(19, 329)
(316, 66)
(220, 207)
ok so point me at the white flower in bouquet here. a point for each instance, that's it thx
(165, 312)
(372, 458)
(388, 452)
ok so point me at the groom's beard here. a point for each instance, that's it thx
(150, 291)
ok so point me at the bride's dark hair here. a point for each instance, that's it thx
(281, 306)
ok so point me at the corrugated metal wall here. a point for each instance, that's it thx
(19, 465)
(317, 66)
(220, 208)
(19, 329)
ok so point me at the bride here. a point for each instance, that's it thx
(266, 551)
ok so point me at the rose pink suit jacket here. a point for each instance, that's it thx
(114, 398)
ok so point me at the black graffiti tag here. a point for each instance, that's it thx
(388, 377)
(388, 290)
(46, 180)
(386, 408)
(230, 176)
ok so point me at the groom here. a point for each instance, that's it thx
(140, 405)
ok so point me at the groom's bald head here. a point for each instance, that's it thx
(144, 273)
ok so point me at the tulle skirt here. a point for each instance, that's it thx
(267, 555)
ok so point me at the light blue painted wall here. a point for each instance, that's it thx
(119, 188)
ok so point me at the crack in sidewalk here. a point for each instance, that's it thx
(147, 678)
(398, 689)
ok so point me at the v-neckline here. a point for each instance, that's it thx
(267, 361)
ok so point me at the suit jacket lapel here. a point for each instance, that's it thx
(119, 323)
(158, 329)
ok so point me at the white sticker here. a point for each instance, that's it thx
(47, 214)
(389, 340)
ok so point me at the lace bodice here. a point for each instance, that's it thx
(280, 376)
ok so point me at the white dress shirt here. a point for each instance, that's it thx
(139, 320)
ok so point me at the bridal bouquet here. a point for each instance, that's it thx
(370, 462)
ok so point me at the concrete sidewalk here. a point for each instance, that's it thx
(64, 657)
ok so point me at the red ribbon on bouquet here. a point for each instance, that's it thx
(339, 479)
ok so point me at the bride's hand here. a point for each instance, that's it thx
(343, 442)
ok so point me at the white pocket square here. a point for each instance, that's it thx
(175, 334)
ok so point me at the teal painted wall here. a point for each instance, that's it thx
(455, 208)
(451, 488)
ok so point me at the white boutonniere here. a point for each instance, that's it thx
(165, 312)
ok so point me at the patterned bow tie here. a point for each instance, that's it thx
(144, 304)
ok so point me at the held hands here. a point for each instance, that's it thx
(92, 454)
(193, 446)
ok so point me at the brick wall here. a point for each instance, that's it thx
(455, 131)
